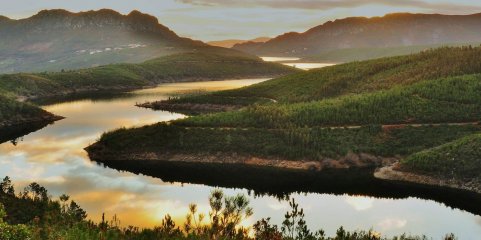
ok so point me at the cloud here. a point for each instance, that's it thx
(331, 4)
(391, 223)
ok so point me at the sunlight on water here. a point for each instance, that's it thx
(293, 62)
(309, 66)
(54, 157)
(279, 59)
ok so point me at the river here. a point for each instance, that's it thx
(54, 157)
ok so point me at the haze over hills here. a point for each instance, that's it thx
(392, 30)
(231, 42)
(57, 39)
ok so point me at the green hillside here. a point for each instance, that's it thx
(366, 76)
(458, 159)
(446, 100)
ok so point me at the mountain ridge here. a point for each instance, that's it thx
(390, 30)
(57, 39)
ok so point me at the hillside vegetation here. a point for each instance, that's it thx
(446, 100)
(361, 54)
(459, 159)
(356, 77)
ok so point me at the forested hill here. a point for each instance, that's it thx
(392, 30)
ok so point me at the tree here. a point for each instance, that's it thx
(227, 213)
(7, 187)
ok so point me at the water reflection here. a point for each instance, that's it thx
(295, 62)
(54, 157)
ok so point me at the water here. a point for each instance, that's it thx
(54, 157)
(294, 62)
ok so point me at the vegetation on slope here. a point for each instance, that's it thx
(460, 159)
(365, 76)
(12, 112)
(361, 54)
(33, 214)
(448, 100)
(292, 144)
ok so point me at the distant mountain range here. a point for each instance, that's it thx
(392, 30)
(231, 42)
(53, 40)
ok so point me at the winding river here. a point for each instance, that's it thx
(54, 157)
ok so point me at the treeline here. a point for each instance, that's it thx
(33, 214)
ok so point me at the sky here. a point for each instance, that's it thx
(244, 19)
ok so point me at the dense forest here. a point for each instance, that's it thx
(34, 214)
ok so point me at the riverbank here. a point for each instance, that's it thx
(394, 173)
(100, 153)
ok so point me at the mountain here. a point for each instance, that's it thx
(231, 42)
(57, 39)
(392, 30)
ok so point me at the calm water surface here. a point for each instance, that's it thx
(294, 62)
(54, 157)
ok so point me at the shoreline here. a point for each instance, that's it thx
(384, 167)
(392, 173)
(98, 153)
(44, 118)
(188, 107)
(50, 117)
